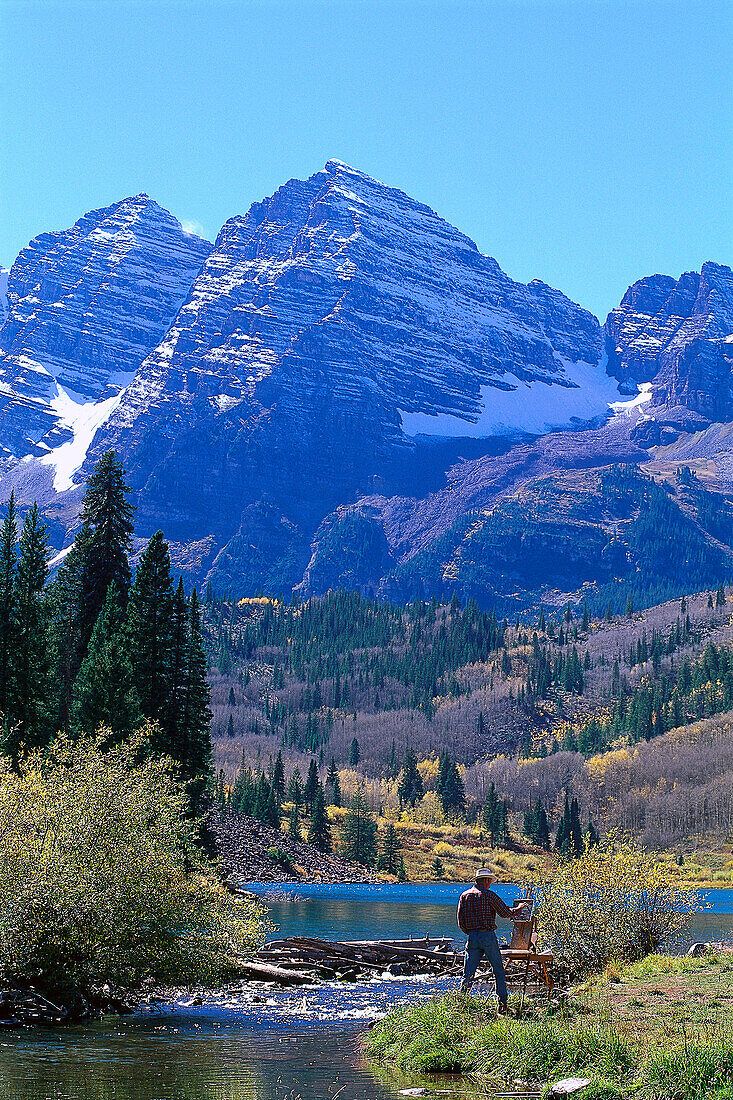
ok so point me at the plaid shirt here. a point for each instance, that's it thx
(477, 910)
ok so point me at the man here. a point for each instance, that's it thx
(477, 912)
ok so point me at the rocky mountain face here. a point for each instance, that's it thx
(676, 334)
(342, 388)
(84, 307)
(330, 326)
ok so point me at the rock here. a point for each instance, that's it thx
(697, 950)
(569, 1086)
(676, 335)
(84, 307)
(329, 328)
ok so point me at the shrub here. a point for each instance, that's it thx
(281, 858)
(616, 902)
(100, 878)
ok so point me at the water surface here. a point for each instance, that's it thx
(256, 1043)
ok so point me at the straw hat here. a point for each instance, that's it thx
(484, 873)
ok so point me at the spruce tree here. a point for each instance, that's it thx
(359, 831)
(65, 597)
(389, 855)
(451, 789)
(31, 713)
(8, 617)
(311, 785)
(192, 749)
(294, 822)
(319, 830)
(410, 789)
(107, 513)
(354, 753)
(278, 778)
(104, 692)
(150, 617)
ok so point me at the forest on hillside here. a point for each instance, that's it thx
(520, 713)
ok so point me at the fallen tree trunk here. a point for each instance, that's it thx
(264, 972)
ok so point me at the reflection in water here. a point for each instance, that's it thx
(249, 1044)
(178, 1060)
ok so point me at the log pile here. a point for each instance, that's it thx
(301, 959)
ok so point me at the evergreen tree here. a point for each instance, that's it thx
(354, 754)
(319, 830)
(104, 692)
(410, 789)
(8, 618)
(294, 821)
(437, 869)
(576, 831)
(720, 596)
(150, 616)
(192, 746)
(450, 788)
(66, 611)
(311, 785)
(592, 835)
(30, 714)
(295, 788)
(389, 856)
(107, 513)
(359, 831)
(278, 778)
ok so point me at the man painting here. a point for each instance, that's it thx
(478, 909)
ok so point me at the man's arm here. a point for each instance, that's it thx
(502, 910)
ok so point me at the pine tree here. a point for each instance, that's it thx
(107, 513)
(104, 692)
(410, 789)
(576, 831)
(31, 715)
(319, 830)
(311, 785)
(278, 778)
(359, 831)
(437, 869)
(354, 754)
(150, 616)
(720, 596)
(66, 612)
(295, 788)
(389, 856)
(192, 747)
(8, 617)
(592, 835)
(450, 788)
(294, 822)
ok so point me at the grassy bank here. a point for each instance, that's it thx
(659, 1029)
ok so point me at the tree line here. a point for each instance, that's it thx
(96, 647)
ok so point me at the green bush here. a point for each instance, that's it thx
(100, 878)
(616, 902)
(281, 858)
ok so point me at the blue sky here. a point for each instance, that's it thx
(586, 143)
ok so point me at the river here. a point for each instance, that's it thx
(256, 1044)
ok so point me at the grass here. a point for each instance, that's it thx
(659, 1029)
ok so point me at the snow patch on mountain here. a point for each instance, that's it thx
(582, 393)
(82, 418)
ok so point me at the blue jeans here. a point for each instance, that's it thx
(480, 944)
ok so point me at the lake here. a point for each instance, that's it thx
(256, 1043)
